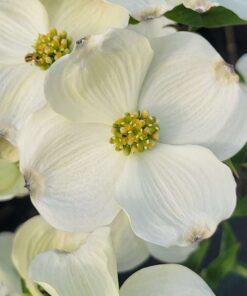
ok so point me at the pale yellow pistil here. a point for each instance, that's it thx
(49, 48)
(135, 132)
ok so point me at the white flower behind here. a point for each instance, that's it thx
(90, 270)
(75, 264)
(239, 7)
(150, 14)
(141, 8)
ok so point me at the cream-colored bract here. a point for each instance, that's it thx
(68, 274)
(154, 28)
(10, 282)
(11, 181)
(90, 270)
(242, 67)
(36, 236)
(175, 194)
(21, 22)
(174, 280)
(131, 251)
(88, 267)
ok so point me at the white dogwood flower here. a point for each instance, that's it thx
(36, 236)
(237, 6)
(143, 8)
(61, 269)
(150, 14)
(91, 270)
(69, 264)
(33, 35)
(148, 114)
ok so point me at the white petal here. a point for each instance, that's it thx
(11, 180)
(8, 175)
(85, 17)
(71, 169)
(130, 250)
(237, 6)
(153, 28)
(21, 93)
(242, 66)
(174, 254)
(104, 84)
(199, 5)
(141, 9)
(8, 275)
(176, 195)
(84, 272)
(195, 95)
(36, 236)
(169, 279)
(19, 28)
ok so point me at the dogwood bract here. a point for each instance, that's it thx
(146, 114)
(33, 35)
(36, 236)
(237, 6)
(91, 271)
(152, 23)
(141, 8)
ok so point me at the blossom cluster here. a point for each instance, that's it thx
(118, 133)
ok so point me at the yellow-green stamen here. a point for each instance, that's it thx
(49, 48)
(135, 132)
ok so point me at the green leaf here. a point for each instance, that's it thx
(240, 158)
(240, 269)
(233, 168)
(133, 21)
(195, 260)
(226, 261)
(241, 208)
(215, 17)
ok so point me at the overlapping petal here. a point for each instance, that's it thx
(100, 84)
(174, 254)
(9, 279)
(154, 28)
(37, 236)
(130, 250)
(86, 271)
(11, 181)
(21, 93)
(176, 195)
(140, 8)
(195, 95)
(169, 279)
(242, 67)
(19, 28)
(85, 17)
(71, 171)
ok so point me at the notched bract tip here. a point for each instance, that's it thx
(225, 73)
(34, 183)
(198, 234)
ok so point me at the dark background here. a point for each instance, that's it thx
(231, 43)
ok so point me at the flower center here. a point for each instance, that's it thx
(135, 132)
(49, 48)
